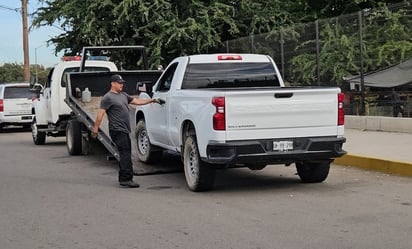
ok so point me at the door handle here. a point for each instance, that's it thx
(283, 95)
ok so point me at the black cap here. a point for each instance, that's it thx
(117, 78)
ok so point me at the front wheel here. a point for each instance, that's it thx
(199, 175)
(313, 172)
(39, 137)
(74, 137)
(146, 152)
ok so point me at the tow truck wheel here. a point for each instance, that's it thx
(199, 175)
(146, 152)
(74, 137)
(39, 137)
(313, 172)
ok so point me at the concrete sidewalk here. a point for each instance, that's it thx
(388, 152)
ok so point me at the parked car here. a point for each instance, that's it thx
(16, 104)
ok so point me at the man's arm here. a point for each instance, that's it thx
(137, 101)
(99, 119)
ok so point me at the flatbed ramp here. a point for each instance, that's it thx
(170, 162)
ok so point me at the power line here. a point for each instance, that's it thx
(9, 8)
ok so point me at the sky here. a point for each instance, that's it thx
(11, 36)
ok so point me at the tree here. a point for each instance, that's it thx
(167, 28)
(13, 72)
(333, 8)
(170, 28)
(386, 41)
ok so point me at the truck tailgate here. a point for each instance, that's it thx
(18, 106)
(282, 113)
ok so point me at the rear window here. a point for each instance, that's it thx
(13, 92)
(76, 69)
(230, 75)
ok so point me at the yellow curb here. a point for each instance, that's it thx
(370, 163)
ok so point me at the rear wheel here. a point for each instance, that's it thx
(146, 152)
(74, 137)
(39, 137)
(200, 176)
(313, 172)
(256, 166)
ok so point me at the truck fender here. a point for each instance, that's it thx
(39, 112)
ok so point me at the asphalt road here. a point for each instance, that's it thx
(51, 200)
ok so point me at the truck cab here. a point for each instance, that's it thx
(50, 111)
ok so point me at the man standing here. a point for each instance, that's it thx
(116, 104)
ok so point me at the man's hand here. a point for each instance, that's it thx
(159, 101)
(94, 133)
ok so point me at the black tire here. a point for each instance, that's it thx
(313, 172)
(74, 137)
(256, 166)
(200, 176)
(39, 137)
(146, 152)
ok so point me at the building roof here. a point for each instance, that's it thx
(398, 75)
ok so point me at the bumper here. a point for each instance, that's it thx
(16, 119)
(262, 152)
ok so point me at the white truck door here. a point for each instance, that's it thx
(158, 119)
(46, 98)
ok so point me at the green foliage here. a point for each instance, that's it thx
(170, 28)
(13, 72)
(167, 28)
(386, 41)
(333, 8)
(388, 37)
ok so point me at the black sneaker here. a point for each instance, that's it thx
(129, 184)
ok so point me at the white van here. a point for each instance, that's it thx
(16, 104)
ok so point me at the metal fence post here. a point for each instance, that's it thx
(362, 78)
(317, 52)
(282, 54)
(252, 43)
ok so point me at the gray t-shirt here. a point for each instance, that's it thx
(117, 109)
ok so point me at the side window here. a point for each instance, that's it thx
(166, 80)
(66, 74)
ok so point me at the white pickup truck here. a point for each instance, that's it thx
(51, 113)
(231, 110)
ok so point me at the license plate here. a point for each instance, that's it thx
(282, 145)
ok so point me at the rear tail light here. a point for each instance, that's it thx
(1, 105)
(219, 119)
(71, 58)
(341, 112)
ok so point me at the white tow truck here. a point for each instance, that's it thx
(51, 113)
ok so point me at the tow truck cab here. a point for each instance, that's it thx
(50, 111)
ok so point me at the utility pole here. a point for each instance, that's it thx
(26, 69)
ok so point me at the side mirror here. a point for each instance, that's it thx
(38, 87)
(32, 81)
